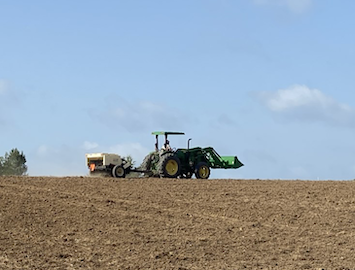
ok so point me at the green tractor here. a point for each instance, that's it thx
(183, 163)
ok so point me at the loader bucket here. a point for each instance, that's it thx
(231, 162)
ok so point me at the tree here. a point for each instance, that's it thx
(13, 163)
(1, 165)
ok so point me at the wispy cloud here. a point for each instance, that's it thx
(142, 115)
(56, 161)
(299, 102)
(68, 160)
(135, 150)
(90, 145)
(42, 150)
(295, 6)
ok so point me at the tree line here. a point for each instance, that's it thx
(13, 163)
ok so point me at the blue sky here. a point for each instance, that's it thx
(271, 81)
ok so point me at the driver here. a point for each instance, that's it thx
(166, 145)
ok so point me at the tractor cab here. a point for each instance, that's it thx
(166, 145)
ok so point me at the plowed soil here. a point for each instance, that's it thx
(104, 223)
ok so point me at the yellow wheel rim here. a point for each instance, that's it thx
(203, 171)
(171, 167)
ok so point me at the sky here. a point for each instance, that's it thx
(270, 81)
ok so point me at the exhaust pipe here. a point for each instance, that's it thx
(188, 143)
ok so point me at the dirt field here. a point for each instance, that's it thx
(103, 223)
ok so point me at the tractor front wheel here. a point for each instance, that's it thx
(202, 171)
(118, 171)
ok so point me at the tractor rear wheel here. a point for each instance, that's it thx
(118, 171)
(202, 171)
(146, 164)
(169, 166)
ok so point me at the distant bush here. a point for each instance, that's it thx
(129, 159)
(14, 163)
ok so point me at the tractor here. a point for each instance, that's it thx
(184, 163)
